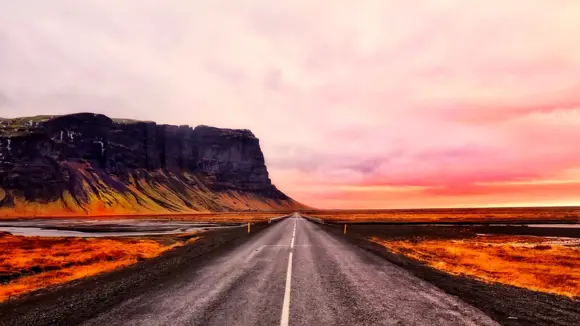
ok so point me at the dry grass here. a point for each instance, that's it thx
(31, 263)
(237, 217)
(536, 263)
(527, 214)
(223, 217)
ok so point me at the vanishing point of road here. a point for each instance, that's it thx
(295, 273)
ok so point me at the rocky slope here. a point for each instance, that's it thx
(87, 163)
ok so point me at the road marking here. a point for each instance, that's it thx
(296, 245)
(286, 304)
(284, 320)
(293, 235)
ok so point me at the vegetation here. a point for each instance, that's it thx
(31, 263)
(497, 215)
(536, 263)
(146, 193)
(129, 121)
(21, 126)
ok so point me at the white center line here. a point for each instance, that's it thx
(286, 305)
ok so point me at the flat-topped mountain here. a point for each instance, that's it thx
(91, 164)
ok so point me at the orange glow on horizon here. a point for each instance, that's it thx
(332, 194)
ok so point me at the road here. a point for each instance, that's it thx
(295, 273)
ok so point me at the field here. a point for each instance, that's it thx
(458, 215)
(550, 265)
(31, 263)
(494, 245)
(222, 217)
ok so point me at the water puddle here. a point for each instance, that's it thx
(99, 228)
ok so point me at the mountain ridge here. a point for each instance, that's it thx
(90, 164)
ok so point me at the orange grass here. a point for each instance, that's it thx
(536, 263)
(516, 214)
(31, 263)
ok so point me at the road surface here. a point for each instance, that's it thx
(295, 273)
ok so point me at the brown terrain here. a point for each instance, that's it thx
(216, 217)
(453, 215)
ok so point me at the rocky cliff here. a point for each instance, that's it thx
(90, 164)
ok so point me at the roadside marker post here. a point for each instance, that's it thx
(344, 228)
(248, 227)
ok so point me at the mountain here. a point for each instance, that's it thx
(90, 164)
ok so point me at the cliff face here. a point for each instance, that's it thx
(90, 164)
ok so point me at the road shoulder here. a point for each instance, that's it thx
(77, 301)
(506, 304)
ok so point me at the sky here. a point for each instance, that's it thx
(357, 104)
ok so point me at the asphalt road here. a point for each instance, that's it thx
(295, 273)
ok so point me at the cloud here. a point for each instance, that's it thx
(442, 94)
(3, 100)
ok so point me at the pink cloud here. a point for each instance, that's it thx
(442, 95)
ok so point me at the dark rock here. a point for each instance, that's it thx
(40, 156)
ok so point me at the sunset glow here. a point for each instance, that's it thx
(357, 104)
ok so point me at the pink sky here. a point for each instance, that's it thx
(358, 104)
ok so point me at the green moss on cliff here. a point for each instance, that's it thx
(21, 126)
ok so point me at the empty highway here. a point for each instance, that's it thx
(294, 273)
